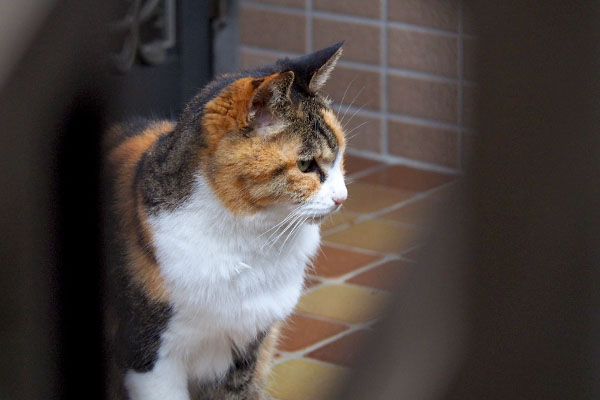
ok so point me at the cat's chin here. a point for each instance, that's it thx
(321, 218)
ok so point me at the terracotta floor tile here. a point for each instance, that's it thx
(335, 262)
(365, 197)
(305, 380)
(300, 331)
(354, 164)
(418, 213)
(343, 351)
(344, 303)
(337, 219)
(407, 178)
(378, 235)
(385, 276)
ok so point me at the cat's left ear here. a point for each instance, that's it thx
(325, 59)
(271, 94)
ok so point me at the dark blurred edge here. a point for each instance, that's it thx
(505, 301)
(54, 108)
(52, 113)
(506, 308)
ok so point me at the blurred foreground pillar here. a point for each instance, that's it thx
(505, 302)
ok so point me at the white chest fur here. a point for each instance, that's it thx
(226, 286)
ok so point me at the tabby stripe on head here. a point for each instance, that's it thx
(327, 134)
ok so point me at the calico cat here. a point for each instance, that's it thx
(218, 215)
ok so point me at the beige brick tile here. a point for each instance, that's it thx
(423, 98)
(377, 235)
(272, 29)
(366, 197)
(337, 219)
(417, 213)
(362, 40)
(442, 14)
(344, 303)
(369, 9)
(304, 379)
(428, 52)
(428, 144)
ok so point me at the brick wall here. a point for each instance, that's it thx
(402, 84)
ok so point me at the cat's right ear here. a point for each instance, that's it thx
(271, 94)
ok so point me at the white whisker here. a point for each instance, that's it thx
(344, 96)
(352, 102)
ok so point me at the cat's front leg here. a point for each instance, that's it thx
(167, 380)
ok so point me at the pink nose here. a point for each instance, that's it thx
(339, 200)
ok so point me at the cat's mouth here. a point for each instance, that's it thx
(317, 219)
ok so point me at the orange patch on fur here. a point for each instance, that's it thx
(248, 172)
(335, 126)
(123, 161)
(265, 355)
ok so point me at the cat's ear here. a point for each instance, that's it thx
(325, 61)
(271, 94)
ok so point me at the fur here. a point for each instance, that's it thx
(216, 225)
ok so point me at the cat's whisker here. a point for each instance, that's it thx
(272, 242)
(281, 222)
(294, 224)
(352, 102)
(355, 128)
(344, 96)
(295, 229)
(354, 114)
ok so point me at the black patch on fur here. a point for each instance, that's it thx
(165, 174)
(278, 171)
(328, 135)
(305, 66)
(141, 322)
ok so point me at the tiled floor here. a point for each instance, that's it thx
(366, 250)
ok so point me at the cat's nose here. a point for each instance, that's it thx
(339, 200)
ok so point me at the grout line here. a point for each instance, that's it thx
(422, 75)
(362, 66)
(364, 172)
(401, 118)
(352, 248)
(460, 85)
(375, 214)
(384, 79)
(350, 18)
(397, 160)
(273, 7)
(422, 29)
(305, 350)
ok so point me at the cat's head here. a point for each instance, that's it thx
(271, 139)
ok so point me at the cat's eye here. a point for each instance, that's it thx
(304, 165)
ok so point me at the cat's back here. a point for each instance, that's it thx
(134, 136)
